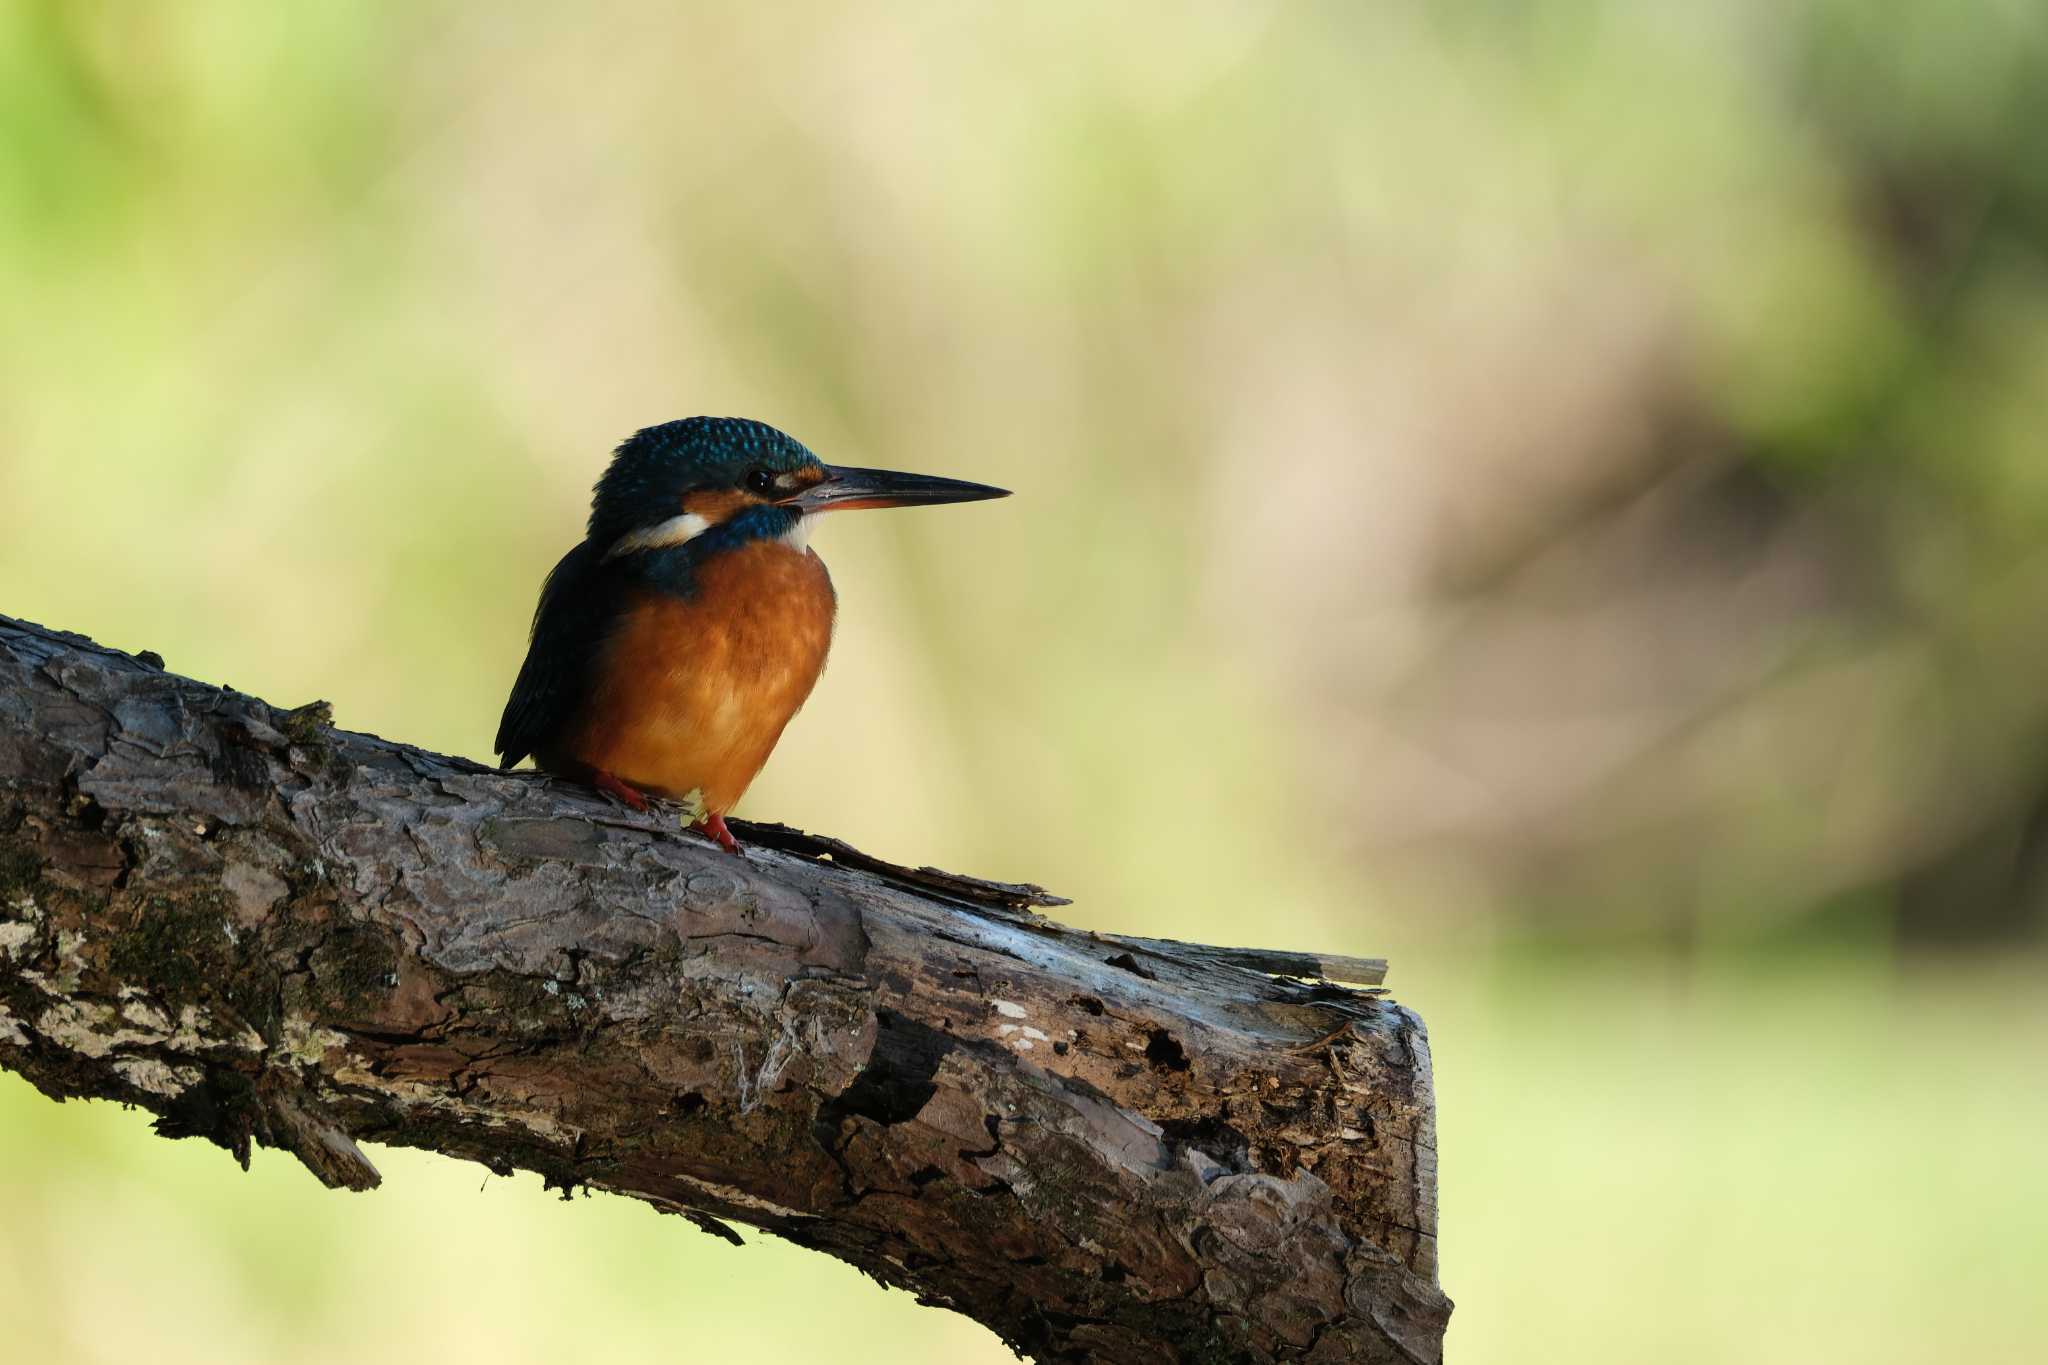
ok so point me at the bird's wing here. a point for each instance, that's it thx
(576, 612)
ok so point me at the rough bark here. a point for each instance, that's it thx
(266, 930)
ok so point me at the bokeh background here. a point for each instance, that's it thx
(1553, 493)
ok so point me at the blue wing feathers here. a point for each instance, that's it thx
(577, 608)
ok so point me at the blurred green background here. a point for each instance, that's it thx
(1552, 493)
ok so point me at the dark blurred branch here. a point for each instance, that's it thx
(265, 930)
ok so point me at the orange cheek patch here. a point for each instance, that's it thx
(718, 505)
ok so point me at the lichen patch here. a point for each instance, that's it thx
(146, 1016)
(92, 1030)
(307, 1044)
(158, 1077)
(14, 936)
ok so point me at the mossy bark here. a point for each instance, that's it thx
(270, 932)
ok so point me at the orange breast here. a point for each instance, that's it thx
(692, 694)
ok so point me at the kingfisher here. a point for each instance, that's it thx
(674, 644)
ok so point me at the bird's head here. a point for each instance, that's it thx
(671, 483)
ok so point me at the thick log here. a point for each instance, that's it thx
(269, 931)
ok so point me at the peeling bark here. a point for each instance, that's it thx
(268, 931)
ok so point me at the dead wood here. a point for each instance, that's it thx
(268, 931)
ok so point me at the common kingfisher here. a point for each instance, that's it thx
(672, 646)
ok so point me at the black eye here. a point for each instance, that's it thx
(760, 481)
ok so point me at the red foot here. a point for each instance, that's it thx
(611, 786)
(713, 827)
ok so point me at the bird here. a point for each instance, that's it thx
(673, 645)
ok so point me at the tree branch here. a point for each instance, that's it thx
(266, 930)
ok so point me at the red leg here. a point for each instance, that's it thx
(611, 786)
(713, 827)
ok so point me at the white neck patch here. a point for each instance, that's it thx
(680, 530)
(798, 537)
(664, 535)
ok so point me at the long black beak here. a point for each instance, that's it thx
(845, 488)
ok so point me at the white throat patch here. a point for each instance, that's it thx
(661, 536)
(681, 530)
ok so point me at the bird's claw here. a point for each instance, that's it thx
(611, 786)
(712, 826)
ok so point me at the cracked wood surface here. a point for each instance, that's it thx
(1105, 1148)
